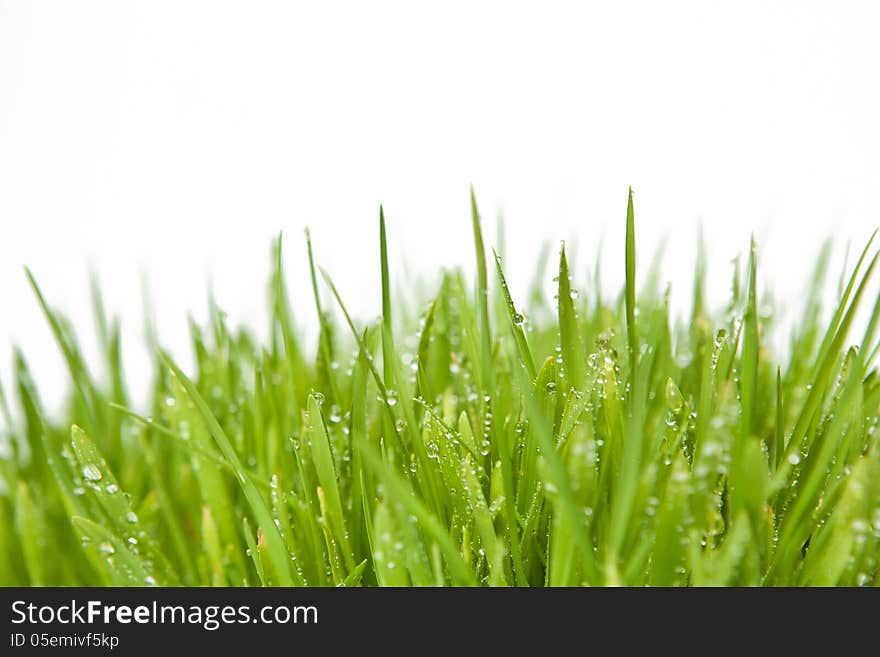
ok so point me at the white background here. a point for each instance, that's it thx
(174, 139)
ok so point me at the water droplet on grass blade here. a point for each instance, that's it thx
(91, 472)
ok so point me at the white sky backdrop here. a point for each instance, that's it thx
(176, 138)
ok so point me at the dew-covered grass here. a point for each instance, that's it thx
(472, 439)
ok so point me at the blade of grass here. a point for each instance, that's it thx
(632, 338)
(569, 334)
(516, 322)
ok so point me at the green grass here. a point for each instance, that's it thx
(472, 438)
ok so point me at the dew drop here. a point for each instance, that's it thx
(91, 472)
(859, 526)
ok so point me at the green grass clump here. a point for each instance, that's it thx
(463, 441)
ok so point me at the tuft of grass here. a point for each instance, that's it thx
(490, 441)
